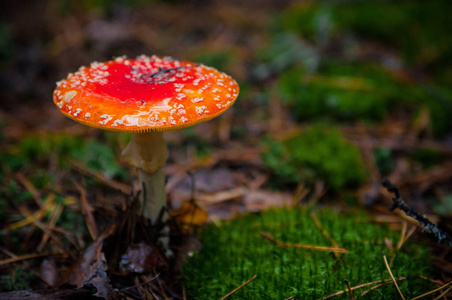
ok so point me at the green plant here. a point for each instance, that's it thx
(235, 251)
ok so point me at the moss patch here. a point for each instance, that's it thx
(235, 251)
(318, 153)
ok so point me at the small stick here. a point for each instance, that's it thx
(349, 289)
(390, 273)
(292, 297)
(321, 248)
(30, 256)
(426, 224)
(238, 288)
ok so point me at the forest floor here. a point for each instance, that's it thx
(334, 99)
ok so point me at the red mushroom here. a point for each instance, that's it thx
(145, 96)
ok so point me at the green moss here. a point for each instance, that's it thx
(17, 280)
(361, 91)
(426, 27)
(41, 148)
(318, 153)
(343, 92)
(93, 154)
(234, 251)
(99, 157)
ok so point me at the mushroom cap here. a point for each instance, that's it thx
(145, 94)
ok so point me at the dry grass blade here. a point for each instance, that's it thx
(433, 291)
(392, 277)
(87, 212)
(35, 221)
(29, 219)
(311, 247)
(238, 288)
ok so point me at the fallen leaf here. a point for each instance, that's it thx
(91, 269)
(190, 215)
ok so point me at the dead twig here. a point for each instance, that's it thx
(238, 288)
(411, 212)
(124, 188)
(30, 256)
(311, 247)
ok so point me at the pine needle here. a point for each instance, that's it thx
(320, 248)
(392, 277)
(238, 288)
(433, 291)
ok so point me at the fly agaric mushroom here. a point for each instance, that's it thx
(145, 96)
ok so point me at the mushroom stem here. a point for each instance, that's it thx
(153, 200)
(148, 152)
